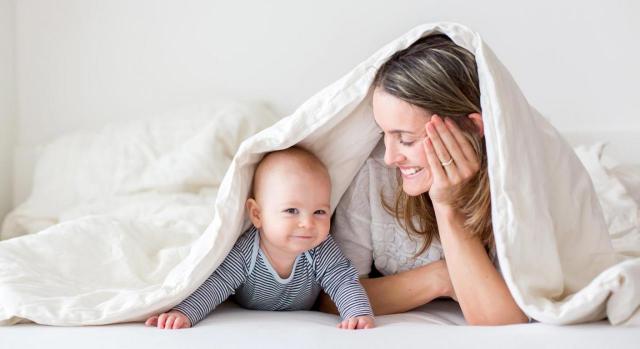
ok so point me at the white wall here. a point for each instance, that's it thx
(7, 102)
(86, 62)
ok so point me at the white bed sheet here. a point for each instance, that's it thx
(233, 327)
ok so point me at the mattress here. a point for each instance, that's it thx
(438, 325)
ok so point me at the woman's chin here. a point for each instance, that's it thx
(414, 191)
(417, 185)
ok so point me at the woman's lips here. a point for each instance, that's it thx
(410, 172)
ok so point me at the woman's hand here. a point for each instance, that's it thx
(357, 323)
(451, 158)
(170, 321)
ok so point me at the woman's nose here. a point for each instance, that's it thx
(391, 156)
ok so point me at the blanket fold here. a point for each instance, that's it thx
(553, 245)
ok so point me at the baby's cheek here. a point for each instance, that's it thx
(324, 228)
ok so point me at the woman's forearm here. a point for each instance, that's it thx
(401, 292)
(480, 289)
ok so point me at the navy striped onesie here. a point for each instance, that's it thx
(247, 274)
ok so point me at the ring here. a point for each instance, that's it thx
(447, 163)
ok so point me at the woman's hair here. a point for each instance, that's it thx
(442, 78)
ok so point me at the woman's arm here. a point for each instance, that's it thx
(482, 293)
(480, 289)
(403, 291)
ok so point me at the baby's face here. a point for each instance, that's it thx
(295, 210)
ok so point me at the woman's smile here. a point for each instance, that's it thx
(410, 172)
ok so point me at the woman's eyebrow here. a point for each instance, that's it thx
(400, 132)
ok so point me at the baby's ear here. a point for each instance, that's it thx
(253, 209)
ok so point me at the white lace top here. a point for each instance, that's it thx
(367, 233)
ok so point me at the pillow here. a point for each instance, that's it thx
(185, 150)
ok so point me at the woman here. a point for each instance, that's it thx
(426, 100)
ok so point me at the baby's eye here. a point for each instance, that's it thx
(291, 211)
(320, 212)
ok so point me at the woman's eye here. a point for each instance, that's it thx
(407, 144)
(320, 212)
(291, 210)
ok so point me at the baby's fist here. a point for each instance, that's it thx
(169, 321)
(357, 323)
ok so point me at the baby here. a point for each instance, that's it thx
(287, 256)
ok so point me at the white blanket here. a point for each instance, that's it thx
(115, 210)
(552, 241)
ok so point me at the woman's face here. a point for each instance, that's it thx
(403, 125)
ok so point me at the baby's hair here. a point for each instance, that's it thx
(301, 158)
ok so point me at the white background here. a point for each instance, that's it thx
(76, 64)
(8, 112)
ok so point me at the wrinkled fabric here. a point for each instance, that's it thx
(552, 241)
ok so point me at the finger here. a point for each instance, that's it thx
(433, 134)
(368, 323)
(434, 163)
(444, 158)
(353, 322)
(152, 321)
(463, 142)
(178, 323)
(361, 323)
(161, 320)
(449, 140)
(170, 320)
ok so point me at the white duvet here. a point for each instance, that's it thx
(143, 251)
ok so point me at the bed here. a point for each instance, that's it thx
(614, 169)
(439, 323)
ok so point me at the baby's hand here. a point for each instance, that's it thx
(357, 323)
(170, 321)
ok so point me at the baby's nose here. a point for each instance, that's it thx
(306, 221)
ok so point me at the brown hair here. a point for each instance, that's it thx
(442, 78)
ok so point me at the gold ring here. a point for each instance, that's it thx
(447, 163)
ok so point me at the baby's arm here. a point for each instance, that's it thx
(339, 279)
(216, 289)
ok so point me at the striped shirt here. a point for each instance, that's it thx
(247, 274)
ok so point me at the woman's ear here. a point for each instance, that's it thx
(253, 209)
(476, 118)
